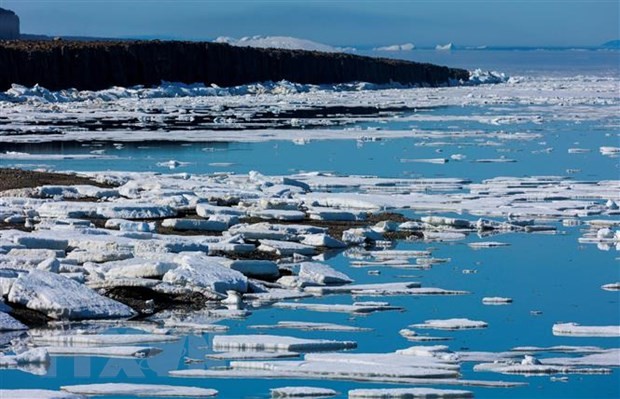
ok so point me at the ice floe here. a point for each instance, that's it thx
(277, 342)
(577, 330)
(63, 298)
(37, 393)
(451, 324)
(409, 393)
(104, 351)
(141, 390)
(310, 326)
(302, 392)
(101, 339)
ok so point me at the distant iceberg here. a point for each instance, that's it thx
(444, 47)
(396, 47)
(283, 42)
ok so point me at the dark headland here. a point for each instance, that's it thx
(96, 65)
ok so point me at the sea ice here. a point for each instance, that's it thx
(311, 326)
(357, 307)
(408, 393)
(141, 390)
(577, 330)
(322, 274)
(60, 298)
(8, 323)
(451, 324)
(206, 272)
(277, 343)
(36, 393)
(102, 340)
(301, 392)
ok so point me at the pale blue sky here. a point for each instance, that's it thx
(342, 22)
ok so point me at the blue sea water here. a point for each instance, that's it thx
(549, 273)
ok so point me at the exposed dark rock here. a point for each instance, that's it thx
(100, 65)
(19, 178)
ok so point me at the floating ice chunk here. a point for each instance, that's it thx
(311, 326)
(135, 211)
(51, 265)
(276, 294)
(358, 236)
(256, 268)
(357, 307)
(236, 355)
(451, 324)
(196, 224)
(322, 274)
(172, 164)
(277, 343)
(535, 369)
(205, 210)
(578, 150)
(128, 225)
(330, 214)
(104, 351)
(42, 242)
(60, 297)
(36, 393)
(206, 272)
(611, 286)
(604, 233)
(278, 214)
(146, 390)
(610, 151)
(269, 231)
(439, 161)
(194, 325)
(286, 248)
(383, 288)
(413, 336)
(608, 358)
(443, 236)
(322, 240)
(8, 323)
(102, 340)
(362, 370)
(408, 393)
(487, 244)
(574, 329)
(444, 221)
(302, 392)
(496, 300)
(32, 356)
(136, 268)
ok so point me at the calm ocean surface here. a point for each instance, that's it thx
(550, 273)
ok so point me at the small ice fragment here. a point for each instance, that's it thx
(611, 286)
(496, 300)
(301, 392)
(277, 343)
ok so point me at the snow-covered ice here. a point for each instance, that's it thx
(140, 390)
(277, 343)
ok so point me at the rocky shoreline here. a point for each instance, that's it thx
(98, 65)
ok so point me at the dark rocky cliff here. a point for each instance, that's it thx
(100, 65)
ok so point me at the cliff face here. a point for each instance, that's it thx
(9, 25)
(100, 65)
